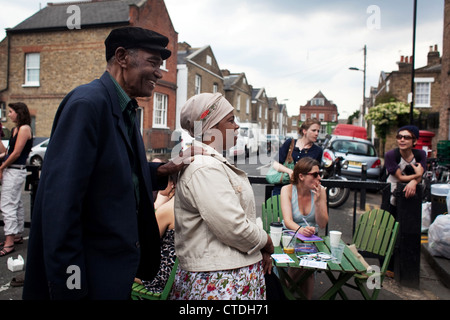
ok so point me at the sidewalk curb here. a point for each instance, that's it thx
(439, 264)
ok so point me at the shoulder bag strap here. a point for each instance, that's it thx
(289, 158)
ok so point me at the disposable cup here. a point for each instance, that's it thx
(276, 227)
(276, 238)
(335, 238)
(288, 245)
(337, 252)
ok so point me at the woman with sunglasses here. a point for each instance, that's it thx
(406, 168)
(304, 206)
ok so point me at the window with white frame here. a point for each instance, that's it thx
(318, 102)
(238, 102)
(208, 59)
(423, 92)
(313, 116)
(303, 117)
(259, 112)
(215, 87)
(198, 84)
(321, 116)
(32, 69)
(160, 110)
(333, 118)
(247, 106)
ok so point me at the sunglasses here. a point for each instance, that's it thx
(314, 174)
(399, 137)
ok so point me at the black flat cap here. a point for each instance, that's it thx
(135, 37)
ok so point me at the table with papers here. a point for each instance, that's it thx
(306, 261)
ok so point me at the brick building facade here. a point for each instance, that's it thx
(427, 92)
(444, 115)
(239, 93)
(324, 110)
(65, 58)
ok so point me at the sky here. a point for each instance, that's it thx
(296, 48)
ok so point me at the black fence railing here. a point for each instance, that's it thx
(357, 187)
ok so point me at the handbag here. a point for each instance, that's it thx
(275, 177)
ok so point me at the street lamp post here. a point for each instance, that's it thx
(364, 87)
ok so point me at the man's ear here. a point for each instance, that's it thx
(121, 55)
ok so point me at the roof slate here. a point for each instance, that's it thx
(91, 13)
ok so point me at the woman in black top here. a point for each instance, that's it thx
(13, 173)
(304, 147)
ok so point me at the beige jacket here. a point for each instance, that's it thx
(215, 216)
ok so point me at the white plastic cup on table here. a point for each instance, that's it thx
(276, 238)
(337, 252)
(335, 238)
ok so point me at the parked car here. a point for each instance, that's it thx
(356, 151)
(36, 156)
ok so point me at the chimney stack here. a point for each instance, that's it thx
(404, 65)
(433, 56)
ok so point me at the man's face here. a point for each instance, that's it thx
(142, 72)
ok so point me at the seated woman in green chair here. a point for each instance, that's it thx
(304, 206)
(166, 223)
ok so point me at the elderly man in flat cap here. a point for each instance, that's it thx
(93, 228)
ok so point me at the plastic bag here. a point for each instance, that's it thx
(439, 236)
(426, 216)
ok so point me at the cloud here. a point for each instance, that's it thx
(294, 48)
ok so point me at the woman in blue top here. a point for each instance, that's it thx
(304, 147)
(304, 199)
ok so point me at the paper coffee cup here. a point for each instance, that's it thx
(276, 227)
(335, 238)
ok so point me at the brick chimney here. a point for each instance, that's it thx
(433, 56)
(404, 65)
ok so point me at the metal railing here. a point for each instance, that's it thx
(355, 186)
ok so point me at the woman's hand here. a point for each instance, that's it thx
(307, 231)
(266, 262)
(266, 253)
(319, 193)
(410, 189)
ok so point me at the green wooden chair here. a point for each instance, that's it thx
(375, 234)
(139, 292)
(271, 212)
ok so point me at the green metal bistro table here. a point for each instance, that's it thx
(349, 266)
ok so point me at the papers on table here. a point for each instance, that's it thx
(282, 258)
(313, 264)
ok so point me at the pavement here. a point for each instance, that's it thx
(434, 271)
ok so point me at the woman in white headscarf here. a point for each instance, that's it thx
(223, 254)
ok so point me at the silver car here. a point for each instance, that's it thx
(37, 153)
(356, 151)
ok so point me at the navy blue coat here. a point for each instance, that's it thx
(88, 239)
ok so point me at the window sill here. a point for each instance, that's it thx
(31, 85)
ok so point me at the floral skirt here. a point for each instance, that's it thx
(246, 283)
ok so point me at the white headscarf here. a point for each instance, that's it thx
(205, 109)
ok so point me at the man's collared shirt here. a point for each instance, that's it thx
(128, 107)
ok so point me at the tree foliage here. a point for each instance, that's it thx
(385, 116)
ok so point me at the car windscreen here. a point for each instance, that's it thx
(353, 147)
